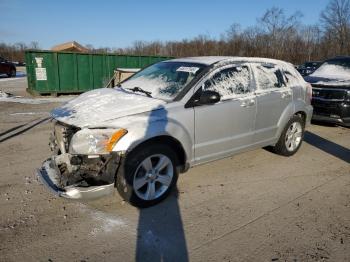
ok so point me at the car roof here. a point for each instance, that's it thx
(209, 60)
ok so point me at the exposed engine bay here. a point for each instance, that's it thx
(79, 170)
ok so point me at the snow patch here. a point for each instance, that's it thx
(19, 76)
(8, 97)
(103, 223)
(107, 223)
(100, 105)
(267, 77)
(294, 78)
(5, 94)
(330, 71)
(11, 79)
(160, 87)
(131, 70)
(229, 82)
(29, 113)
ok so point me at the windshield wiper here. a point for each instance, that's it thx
(139, 89)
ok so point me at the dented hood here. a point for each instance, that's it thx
(96, 107)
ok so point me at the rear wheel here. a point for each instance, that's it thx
(291, 137)
(12, 73)
(148, 175)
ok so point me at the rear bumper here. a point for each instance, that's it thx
(49, 174)
(309, 110)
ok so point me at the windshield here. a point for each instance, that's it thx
(163, 80)
(337, 68)
(310, 64)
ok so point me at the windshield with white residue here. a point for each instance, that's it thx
(163, 80)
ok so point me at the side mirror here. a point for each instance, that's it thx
(209, 97)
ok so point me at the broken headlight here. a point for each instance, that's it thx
(95, 141)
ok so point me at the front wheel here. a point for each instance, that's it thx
(291, 137)
(148, 175)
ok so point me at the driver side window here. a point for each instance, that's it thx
(230, 82)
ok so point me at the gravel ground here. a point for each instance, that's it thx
(255, 206)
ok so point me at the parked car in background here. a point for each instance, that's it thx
(308, 67)
(16, 63)
(331, 91)
(8, 68)
(169, 117)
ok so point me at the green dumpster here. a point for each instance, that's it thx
(55, 73)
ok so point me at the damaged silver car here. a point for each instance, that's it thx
(138, 136)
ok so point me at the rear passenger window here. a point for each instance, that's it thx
(269, 76)
(230, 82)
(292, 79)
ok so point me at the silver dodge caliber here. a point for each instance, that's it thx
(138, 136)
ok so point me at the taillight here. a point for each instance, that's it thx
(308, 92)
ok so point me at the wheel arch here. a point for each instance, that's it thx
(302, 114)
(170, 141)
(291, 110)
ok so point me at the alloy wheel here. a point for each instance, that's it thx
(153, 177)
(293, 136)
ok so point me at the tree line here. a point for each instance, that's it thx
(275, 35)
(15, 52)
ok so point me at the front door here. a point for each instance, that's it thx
(228, 125)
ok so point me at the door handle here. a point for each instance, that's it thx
(286, 95)
(248, 103)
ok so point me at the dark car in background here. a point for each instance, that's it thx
(308, 67)
(8, 68)
(331, 91)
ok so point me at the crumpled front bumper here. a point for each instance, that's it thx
(49, 174)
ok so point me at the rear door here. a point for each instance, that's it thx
(273, 97)
(228, 125)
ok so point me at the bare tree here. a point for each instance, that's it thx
(34, 45)
(276, 26)
(274, 20)
(310, 42)
(336, 19)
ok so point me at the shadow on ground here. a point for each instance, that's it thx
(160, 233)
(327, 146)
(15, 131)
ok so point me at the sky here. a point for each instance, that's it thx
(120, 23)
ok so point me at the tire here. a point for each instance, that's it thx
(12, 73)
(289, 143)
(141, 188)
